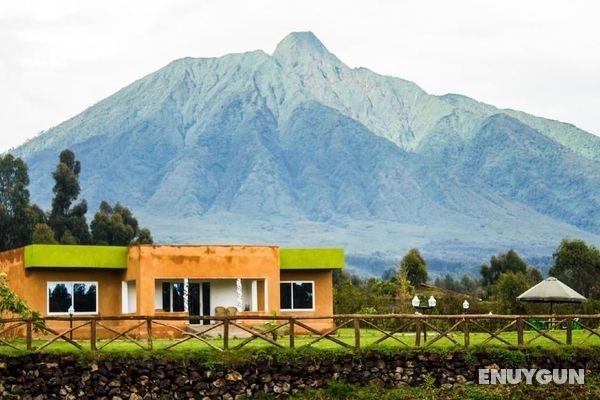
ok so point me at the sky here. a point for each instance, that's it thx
(59, 57)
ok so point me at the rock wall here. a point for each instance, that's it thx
(40, 376)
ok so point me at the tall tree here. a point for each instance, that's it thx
(414, 266)
(68, 222)
(578, 265)
(17, 216)
(42, 234)
(506, 289)
(507, 262)
(117, 226)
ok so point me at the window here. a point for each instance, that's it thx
(82, 296)
(172, 294)
(297, 296)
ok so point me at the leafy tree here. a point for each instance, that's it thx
(348, 297)
(144, 237)
(405, 289)
(43, 234)
(450, 283)
(507, 262)
(468, 284)
(66, 189)
(534, 275)
(13, 304)
(68, 238)
(117, 226)
(506, 289)
(414, 266)
(577, 265)
(17, 216)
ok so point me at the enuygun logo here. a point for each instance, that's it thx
(489, 376)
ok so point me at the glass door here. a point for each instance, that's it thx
(194, 301)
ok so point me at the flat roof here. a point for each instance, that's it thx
(115, 257)
(75, 256)
(311, 258)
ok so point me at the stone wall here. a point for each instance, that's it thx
(39, 376)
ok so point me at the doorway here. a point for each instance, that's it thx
(199, 301)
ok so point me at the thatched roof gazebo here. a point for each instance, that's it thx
(551, 290)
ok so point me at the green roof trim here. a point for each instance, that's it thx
(75, 256)
(311, 258)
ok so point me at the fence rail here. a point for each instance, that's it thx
(407, 330)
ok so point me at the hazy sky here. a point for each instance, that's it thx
(543, 57)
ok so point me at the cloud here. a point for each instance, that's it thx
(541, 57)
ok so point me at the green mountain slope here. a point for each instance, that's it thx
(298, 148)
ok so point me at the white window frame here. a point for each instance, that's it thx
(312, 309)
(72, 297)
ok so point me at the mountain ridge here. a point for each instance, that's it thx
(301, 136)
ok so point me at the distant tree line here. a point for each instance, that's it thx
(23, 223)
(501, 280)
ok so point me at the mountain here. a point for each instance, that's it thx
(297, 148)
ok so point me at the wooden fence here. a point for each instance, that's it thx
(408, 330)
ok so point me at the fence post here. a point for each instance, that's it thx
(520, 331)
(93, 335)
(569, 322)
(149, 331)
(226, 333)
(356, 333)
(466, 330)
(292, 332)
(29, 334)
(418, 328)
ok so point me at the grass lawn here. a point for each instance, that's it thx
(344, 391)
(367, 339)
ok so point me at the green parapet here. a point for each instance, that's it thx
(311, 258)
(75, 256)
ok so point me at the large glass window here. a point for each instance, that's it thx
(297, 295)
(172, 296)
(81, 296)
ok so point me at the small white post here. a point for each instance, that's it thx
(186, 286)
(254, 305)
(238, 290)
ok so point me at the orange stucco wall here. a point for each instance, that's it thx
(31, 285)
(147, 263)
(323, 294)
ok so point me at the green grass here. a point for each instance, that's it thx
(368, 338)
(344, 391)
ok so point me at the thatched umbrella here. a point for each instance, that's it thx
(551, 290)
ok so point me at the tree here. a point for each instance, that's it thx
(508, 286)
(11, 303)
(144, 237)
(414, 266)
(17, 216)
(577, 265)
(348, 297)
(507, 262)
(68, 238)
(534, 276)
(43, 234)
(117, 226)
(66, 189)
(468, 284)
(404, 289)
